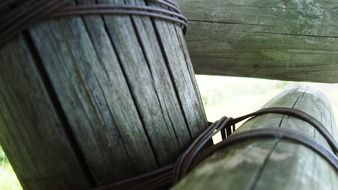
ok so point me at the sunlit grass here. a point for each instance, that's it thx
(8, 179)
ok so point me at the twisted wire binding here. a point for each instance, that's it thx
(18, 16)
(200, 148)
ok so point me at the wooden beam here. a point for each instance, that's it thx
(287, 40)
(275, 163)
(90, 100)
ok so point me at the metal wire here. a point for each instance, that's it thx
(18, 16)
(199, 149)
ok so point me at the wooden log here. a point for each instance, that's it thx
(275, 163)
(287, 40)
(90, 100)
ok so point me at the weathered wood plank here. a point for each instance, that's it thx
(139, 76)
(127, 109)
(101, 116)
(33, 133)
(181, 74)
(163, 85)
(275, 163)
(288, 40)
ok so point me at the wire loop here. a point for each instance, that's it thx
(20, 15)
(200, 148)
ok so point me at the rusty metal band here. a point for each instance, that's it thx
(25, 14)
(201, 149)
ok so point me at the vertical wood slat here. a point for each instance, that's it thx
(186, 85)
(139, 75)
(118, 91)
(272, 163)
(31, 132)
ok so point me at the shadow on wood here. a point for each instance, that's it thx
(275, 163)
(85, 101)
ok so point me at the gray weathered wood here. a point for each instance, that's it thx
(32, 132)
(288, 39)
(126, 104)
(186, 86)
(274, 163)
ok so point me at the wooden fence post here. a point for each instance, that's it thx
(272, 164)
(286, 40)
(90, 100)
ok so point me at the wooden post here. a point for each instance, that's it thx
(272, 164)
(287, 39)
(86, 101)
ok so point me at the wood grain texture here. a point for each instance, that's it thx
(181, 74)
(33, 134)
(274, 163)
(275, 39)
(126, 107)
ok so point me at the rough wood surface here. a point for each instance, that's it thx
(275, 163)
(33, 134)
(112, 97)
(276, 39)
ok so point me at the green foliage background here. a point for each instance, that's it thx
(8, 179)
